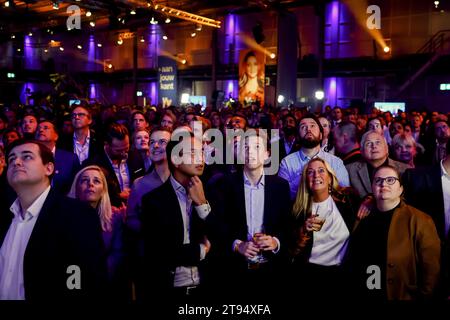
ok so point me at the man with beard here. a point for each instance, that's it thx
(114, 160)
(291, 167)
(289, 143)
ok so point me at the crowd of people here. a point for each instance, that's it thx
(105, 201)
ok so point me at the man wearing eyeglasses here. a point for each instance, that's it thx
(374, 150)
(84, 143)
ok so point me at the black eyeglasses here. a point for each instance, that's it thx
(81, 115)
(389, 180)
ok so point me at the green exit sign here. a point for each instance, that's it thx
(444, 86)
(11, 75)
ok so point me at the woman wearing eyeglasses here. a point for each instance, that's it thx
(394, 253)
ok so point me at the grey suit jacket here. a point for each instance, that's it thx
(359, 175)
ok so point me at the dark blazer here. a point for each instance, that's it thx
(66, 166)
(67, 232)
(423, 190)
(95, 146)
(359, 175)
(163, 234)
(113, 183)
(295, 147)
(230, 205)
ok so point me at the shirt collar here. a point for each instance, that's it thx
(443, 171)
(177, 186)
(261, 181)
(88, 137)
(33, 210)
(304, 157)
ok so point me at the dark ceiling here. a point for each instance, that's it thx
(33, 15)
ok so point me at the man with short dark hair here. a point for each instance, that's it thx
(46, 236)
(173, 225)
(346, 142)
(66, 164)
(310, 136)
(114, 159)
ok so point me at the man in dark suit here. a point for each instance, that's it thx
(84, 141)
(289, 142)
(173, 226)
(66, 164)
(51, 246)
(119, 171)
(255, 209)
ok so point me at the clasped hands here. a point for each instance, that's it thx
(262, 242)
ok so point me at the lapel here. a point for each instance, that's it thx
(171, 207)
(363, 174)
(43, 221)
(239, 195)
(268, 209)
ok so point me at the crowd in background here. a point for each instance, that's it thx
(353, 190)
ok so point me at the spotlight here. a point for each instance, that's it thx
(79, 47)
(99, 45)
(386, 49)
(193, 34)
(280, 98)
(133, 12)
(120, 41)
(199, 27)
(149, 4)
(110, 66)
(7, 4)
(272, 55)
(153, 21)
(436, 4)
(164, 37)
(92, 24)
(45, 50)
(61, 48)
(167, 20)
(142, 39)
(30, 34)
(319, 94)
(88, 14)
(18, 50)
(56, 5)
(183, 61)
(13, 37)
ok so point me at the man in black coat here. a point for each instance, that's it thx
(51, 246)
(174, 227)
(254, 209)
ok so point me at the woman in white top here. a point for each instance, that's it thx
(324, 217)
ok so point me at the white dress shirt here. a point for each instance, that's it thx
(291, 168)
(82, 150)
(13, 249)
(254, 209)
(445, 178)
(122, 173)
(188, 276)
(330, 243)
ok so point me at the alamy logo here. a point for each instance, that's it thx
(374, 280)
(74, 280)
(74, 20)
(374, 20)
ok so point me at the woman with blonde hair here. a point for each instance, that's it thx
(324, 215)
(90, 186)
